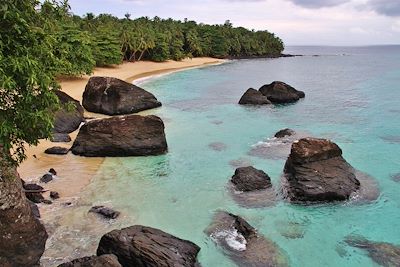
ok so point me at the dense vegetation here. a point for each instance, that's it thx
(41, 40)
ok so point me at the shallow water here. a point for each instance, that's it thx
(352, 97)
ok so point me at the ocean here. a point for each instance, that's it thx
(352, 98)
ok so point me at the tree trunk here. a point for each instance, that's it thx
(141, 55)
(22, 236)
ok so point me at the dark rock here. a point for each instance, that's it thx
(35, 209)
(35, 197)
(316, 172)
(60, 138)
(105, 212)
(285, 132)
(131, 135)
(107, 260)
(46, 178)
(141, 246)
(250, 179)
(54, 195)
(70, 116)
(47, 201)
(53, 171)
(280, 93)
(241, 242)
(385, 254)
(22, 236)
(57, 150)
(254, 97)
(112, 96)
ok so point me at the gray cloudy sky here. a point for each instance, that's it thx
(297, 22)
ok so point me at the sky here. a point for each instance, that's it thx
(296, 22)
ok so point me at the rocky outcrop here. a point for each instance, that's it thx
(105, 212)
(141, 246)
(384, 254)
(121, 136)
(281, 93)
(57, 150)
(316, 172)
(254, 97)
(112, 96)
(22, 236)
(284, 132)
(60, 138)
(250, 179)
(241, 242)
(107, 260)
(70, 115)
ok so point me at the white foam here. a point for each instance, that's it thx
(232, 238)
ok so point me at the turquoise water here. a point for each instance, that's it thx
(352, 97)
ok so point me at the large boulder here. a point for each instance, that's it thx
(120, 136)
(107, 260)
(22, 236)
(254, 97)
(70, 115)
(241, 242)
(280, 93)
(112, 96)
(57, 150)
(141, 246)
(250, 179)
(316, 172)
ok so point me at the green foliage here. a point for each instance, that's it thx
(106, 49)
(26, 77)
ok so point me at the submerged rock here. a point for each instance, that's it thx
(384, 254)
(240, 162)
(46, 178)
(284, 132)
(141, 246)
(22, 236)
(250, 179)
(57, 150)
(121, 136)
(217, 146)
(60, 138)
(243, 244)
(112, 96)
(105, 212)
(280, 93)
(54, 195)
(395, 177)
(70, 116)
(316, 172)
(254, 97)
(107, 260)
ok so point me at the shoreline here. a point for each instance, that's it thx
(75, 172)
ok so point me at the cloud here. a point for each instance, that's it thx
(385, 7)
(319, 3)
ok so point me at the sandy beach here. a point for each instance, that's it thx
(75, 172)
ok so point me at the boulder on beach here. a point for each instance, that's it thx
(315, 171)
(281, 93)
(284, 132)
(250, 179)
(105, 212)
(131, 135)
(22, 236)
(57, 150)
(70, 115)
(141, 246)
(107, 260)
(384, 254)
(241, 242)
(254, 97)
(60, 138)
(112, 96)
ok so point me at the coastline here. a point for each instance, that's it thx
(75, 172)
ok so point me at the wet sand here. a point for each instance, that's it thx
(75, 172)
